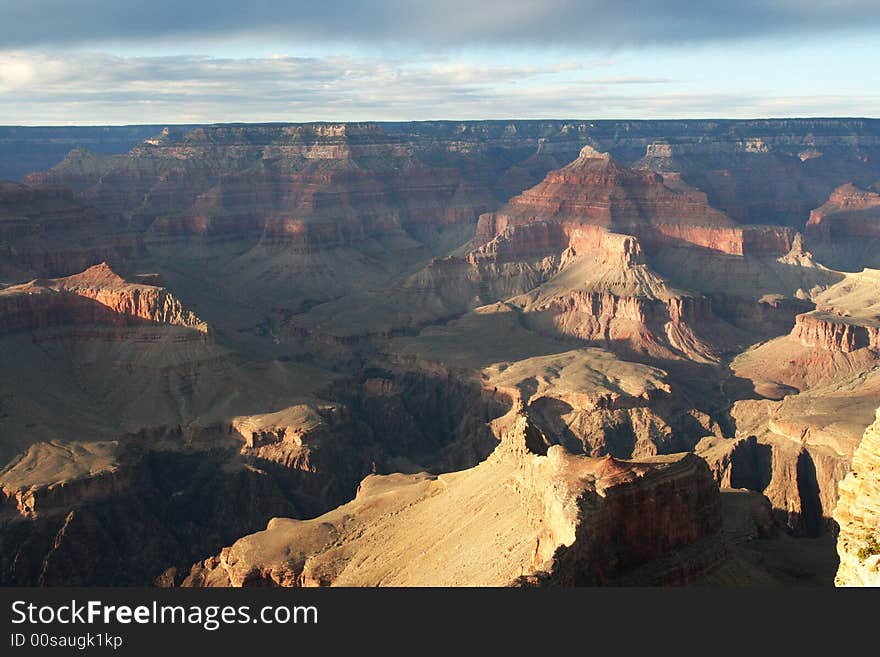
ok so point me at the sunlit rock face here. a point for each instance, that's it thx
(858, 514)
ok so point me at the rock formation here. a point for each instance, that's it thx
(858, 515)
(596, 190)
(524, 517)
(848, 212)
(95, 296)
(45, 231)
(835, 333)
(311, 186)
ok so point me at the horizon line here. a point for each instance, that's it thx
(204, 124)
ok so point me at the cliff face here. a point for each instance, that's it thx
(858, 515)
(660, 210)
(95, 296)
(660, 327)
(310, 186)
(848, 212)
(835, 333)
(799, 479)
(45, 231)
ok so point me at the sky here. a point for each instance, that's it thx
(100, 62)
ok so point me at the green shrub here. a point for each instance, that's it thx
(869, 549)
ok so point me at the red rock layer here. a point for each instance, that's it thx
(848, 212)
(309, 185)
(96, 296)
(660, 210)
(658, 327)
(658, 514)
(834, 333)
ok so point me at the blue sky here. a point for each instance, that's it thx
(115, 62)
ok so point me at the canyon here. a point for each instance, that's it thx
(485, 353)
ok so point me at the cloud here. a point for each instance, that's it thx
(97, 88)
(428, 25)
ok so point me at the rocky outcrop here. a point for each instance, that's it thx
(835, 333)
(52, 477)
(603, 291)
(858, 515)
(593, 404)
(799, 480)
(655, 326)
(849, 212)
(563, 519)
(95, 296)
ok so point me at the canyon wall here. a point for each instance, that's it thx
(849, 212)
(45, 231)
(309, 186)
(660, 210)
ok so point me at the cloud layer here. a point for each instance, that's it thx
(450, 23)
(93, 61)
(40, 88)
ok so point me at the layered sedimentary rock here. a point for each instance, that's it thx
(95, 296)
(801, 440)
(300, 461)
(798, 479)
(756, 171)
(594, 189)
(593, 404)
(858, 515)
(525, 517)
(848, 212)
(771, 178)
(569, 254)
(45, 231)
(836, 333)
(610, 295)
(823, 380)
(847, 316)
(50, 477)
(310, 186)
